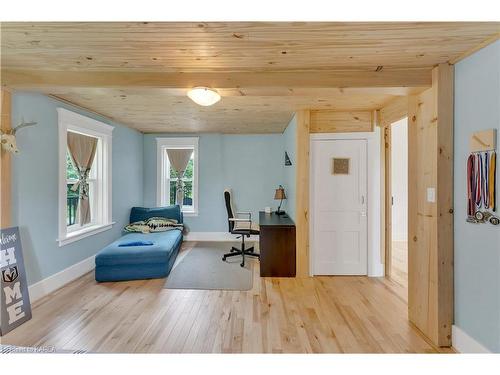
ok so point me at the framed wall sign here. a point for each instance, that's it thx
(15, 306)
(340, 166)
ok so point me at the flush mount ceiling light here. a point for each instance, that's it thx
(204, 96)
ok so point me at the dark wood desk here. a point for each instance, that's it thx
(277, 245)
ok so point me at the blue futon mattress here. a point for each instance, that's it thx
(133, 261)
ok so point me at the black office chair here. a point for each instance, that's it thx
(242, 227)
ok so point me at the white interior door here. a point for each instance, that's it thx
(339, 198)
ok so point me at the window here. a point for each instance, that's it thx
(188, 185)
(168, 177)
(77, 218)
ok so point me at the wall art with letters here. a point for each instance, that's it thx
(15, 304)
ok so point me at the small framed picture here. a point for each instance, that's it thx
(340, 166)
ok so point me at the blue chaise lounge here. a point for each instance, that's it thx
(120, 263)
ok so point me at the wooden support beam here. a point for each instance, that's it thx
(327, 121)
(23, 79)
(430, 208)
(5, 167)
(302, 193)
(284, 91)
(393, 111)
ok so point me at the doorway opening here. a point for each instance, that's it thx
(398, 235)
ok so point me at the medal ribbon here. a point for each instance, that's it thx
(481, 182)
(471, 206)
(492, 182)
(485, 181)
(478, 185)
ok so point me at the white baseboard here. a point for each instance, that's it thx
(377, 270)
(216, 236)
(463, 343)
(58, 280)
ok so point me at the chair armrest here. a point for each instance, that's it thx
(245, 213)
(235, 219)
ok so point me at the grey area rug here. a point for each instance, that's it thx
(203, 268)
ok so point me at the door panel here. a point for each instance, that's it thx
(340, 202)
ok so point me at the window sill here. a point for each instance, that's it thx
(189, 213)
(82, 233)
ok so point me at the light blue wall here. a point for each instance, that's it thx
(35, 190)
(251, 165)
(290, 146)
(477, 247)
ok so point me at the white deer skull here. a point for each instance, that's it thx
(9, 143)
(8, 138)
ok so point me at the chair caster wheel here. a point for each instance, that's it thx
(223, 259)
(242, 264)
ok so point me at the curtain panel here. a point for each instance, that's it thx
(82, 150)
(179, 159)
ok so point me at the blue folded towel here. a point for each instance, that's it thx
(136, 243)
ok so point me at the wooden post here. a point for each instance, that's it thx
(430, 221)
(302, 195)
(5, 169)
(444, 77)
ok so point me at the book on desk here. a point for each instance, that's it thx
(277, 245)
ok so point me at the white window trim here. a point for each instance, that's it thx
(70, 121)
(162, 191)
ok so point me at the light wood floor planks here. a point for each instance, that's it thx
(310, 315)
(399, 271)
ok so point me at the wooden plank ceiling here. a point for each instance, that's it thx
(74, 60)
(233, 114)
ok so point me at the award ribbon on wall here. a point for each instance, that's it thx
(481, 187)
(492, 181)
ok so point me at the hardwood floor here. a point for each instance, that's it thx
(279, 315)
(399, 271)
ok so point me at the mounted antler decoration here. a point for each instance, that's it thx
(9, 137)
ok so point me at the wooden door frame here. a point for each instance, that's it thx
(393, 112)
(387, 198)
(388, 201)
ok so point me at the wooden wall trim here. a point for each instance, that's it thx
(414, 304)
(474, 49)
(302, 193)
(62, 100)
(5, 163)
(328, 121)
